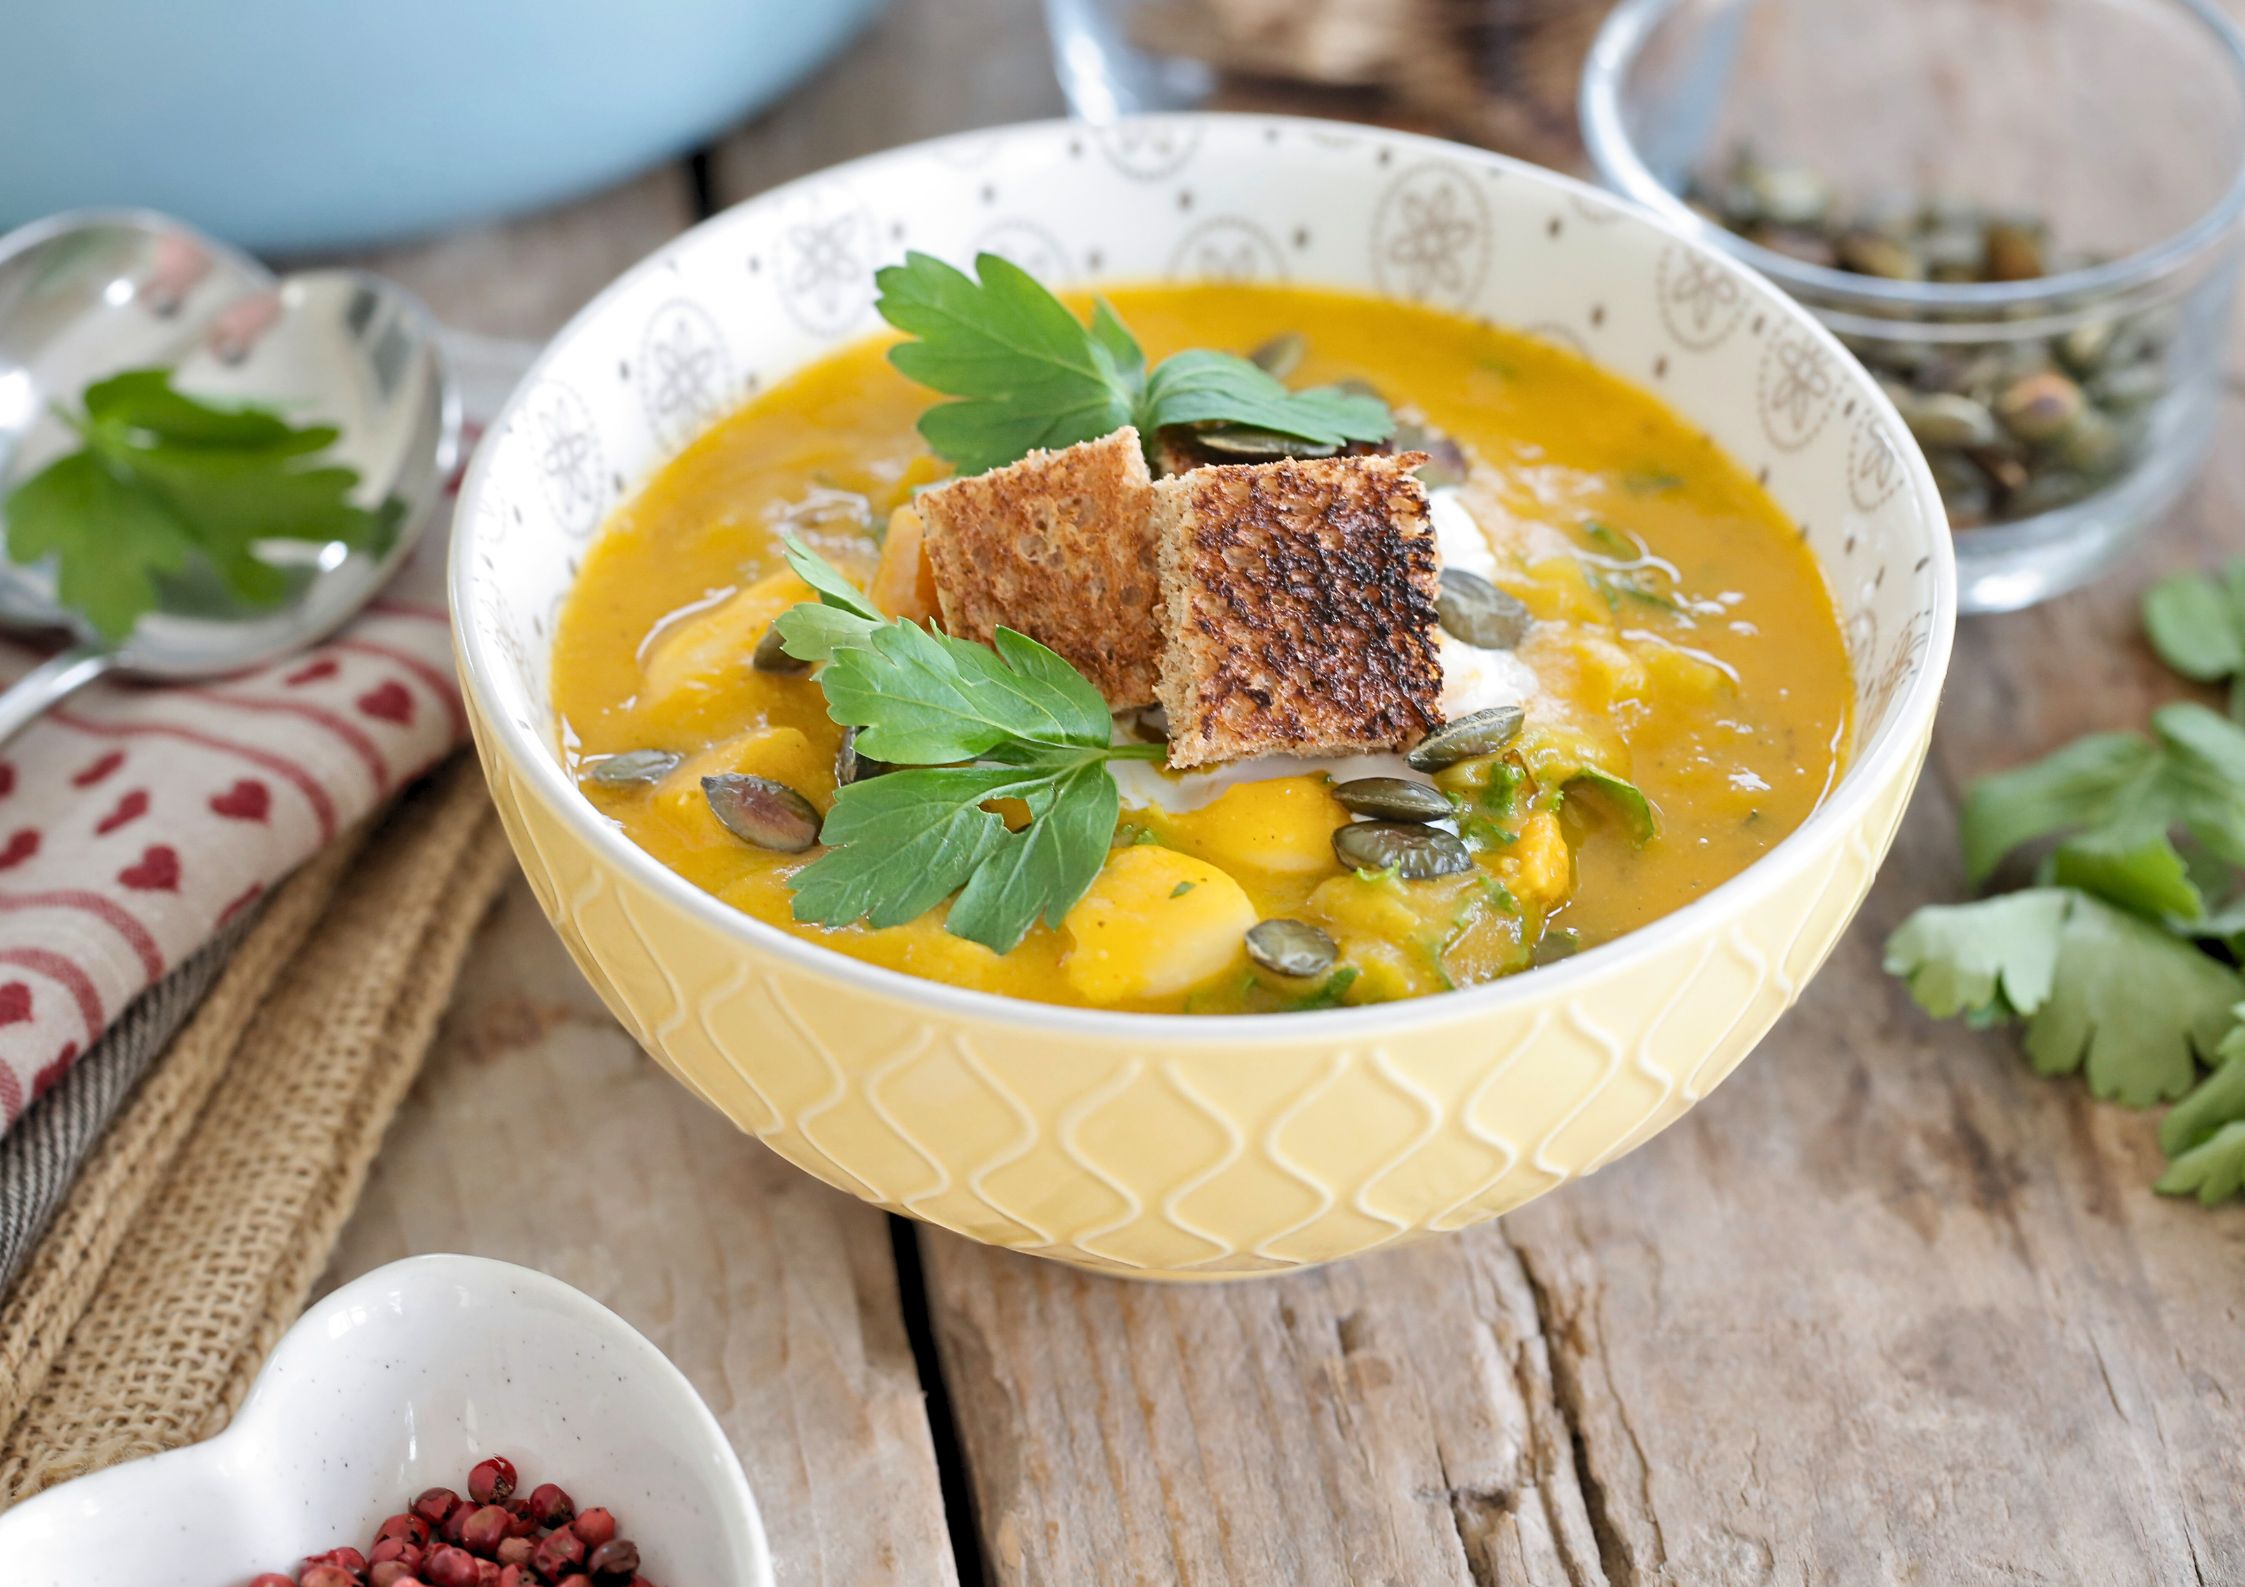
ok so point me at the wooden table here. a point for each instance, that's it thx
(1886, 1308)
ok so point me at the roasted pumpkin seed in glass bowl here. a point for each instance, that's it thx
(2024, 220)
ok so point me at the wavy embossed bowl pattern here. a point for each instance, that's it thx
(1167, 1146)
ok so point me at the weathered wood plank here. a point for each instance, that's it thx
(525, 277)
(540, 1134)
(927, 67)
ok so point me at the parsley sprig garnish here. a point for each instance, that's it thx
(1027, 373)
(2122, 959)
(967, 724)
(165, 484)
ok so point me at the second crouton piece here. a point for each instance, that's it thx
(1298, 600)
(1056, 546)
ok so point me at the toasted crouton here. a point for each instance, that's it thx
(1298, 603)
(1058, 547)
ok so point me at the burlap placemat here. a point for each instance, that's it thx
(204, 1217)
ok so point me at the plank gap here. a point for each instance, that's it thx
(1567, 1398)
(943, 1428)
(701, 177)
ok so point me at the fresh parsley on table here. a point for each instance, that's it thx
(1027, 373)
(2122, 958)
(966, 725)
(164, 483)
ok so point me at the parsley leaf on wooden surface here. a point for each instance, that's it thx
(968, 724)
(2121, 794)
(165, 481)
(2100, 989)
(2204, 1134)
(2196, 622)
(1026, 373)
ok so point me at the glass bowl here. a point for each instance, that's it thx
(2091, 150)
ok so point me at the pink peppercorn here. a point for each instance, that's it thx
(389, 1573)
(485, 1529)
(407, 1525)
(616, 1560)
(326, 1576)
(551, 1505)
(515, 1551)
(451, 1567)
(492, 1480)
(557, 1554)
(434, 1505)
(272, 1578)
(596, 1526)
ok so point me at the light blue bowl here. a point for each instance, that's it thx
(289, 125)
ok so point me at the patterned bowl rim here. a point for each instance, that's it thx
(1891, 754)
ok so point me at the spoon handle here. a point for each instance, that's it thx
(49, 684)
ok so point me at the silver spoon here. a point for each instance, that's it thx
(85, 295)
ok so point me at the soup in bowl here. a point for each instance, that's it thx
(1364, 705)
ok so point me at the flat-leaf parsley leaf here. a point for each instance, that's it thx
(165, 481)
(967, 725)
(1027, 373)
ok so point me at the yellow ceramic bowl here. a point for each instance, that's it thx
(1168, 1146)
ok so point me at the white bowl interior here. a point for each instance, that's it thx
(751, 295)
(399, 1382)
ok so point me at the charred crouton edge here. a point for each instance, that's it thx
(1298, 609)
(1058, 547)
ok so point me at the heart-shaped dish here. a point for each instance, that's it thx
(397, 1382)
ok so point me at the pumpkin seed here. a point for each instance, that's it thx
(1476, 611)
(1809, 247)
(1481, 733)
(2083, 348)
(771, 655)
(1413, 851)
(1446, 462)
(2012, 251)
(757, 810)
(2039, 407)
(1281, 355)
(2091, 444)
(1394, 799)
(1789, 195)
(1942, 418)
(850, 766)
(2130, 386)
(634, 768)
(1246, 443)
(1996, 418)
(1290, 948)
(1871, 253)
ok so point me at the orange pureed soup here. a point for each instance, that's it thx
(1684, 639)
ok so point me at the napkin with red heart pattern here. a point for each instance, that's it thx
(136, 822)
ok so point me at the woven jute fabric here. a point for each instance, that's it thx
(205, 1215)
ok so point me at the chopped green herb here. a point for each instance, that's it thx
(1607, 538)
(1651, 482)
(1182, 888)
(1626, 797)
(1329, 993)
